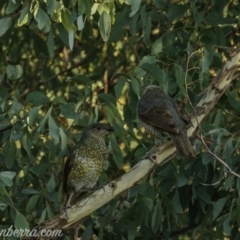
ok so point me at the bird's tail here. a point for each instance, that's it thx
(183, 145)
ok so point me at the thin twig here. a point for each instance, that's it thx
(6, 128)
(216, 183)
(229, 170)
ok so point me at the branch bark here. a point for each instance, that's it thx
(100, 197)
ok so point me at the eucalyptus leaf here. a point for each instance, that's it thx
(105, 25)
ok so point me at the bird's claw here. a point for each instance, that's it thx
(92, 188)
(66, 209)
(149, 156)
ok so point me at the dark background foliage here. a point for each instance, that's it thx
(64, 65)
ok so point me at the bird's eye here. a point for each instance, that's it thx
(98, 128)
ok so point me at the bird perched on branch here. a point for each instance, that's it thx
(86, 161)
(158, 113)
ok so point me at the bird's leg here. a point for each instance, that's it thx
(93, 188)
(151, 154)
(68, 204)
(158, 142)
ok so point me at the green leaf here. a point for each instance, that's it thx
(228, 149)
(81, 79)
(148, 60)
(135, 4)
(51, 6)
(238, 186)
(155, 71)
(180, 75)
(28, 191)
(37, 98)
(64, 138)
(105, 25)
(176, 202)
(144, 15)
(7, 177)
(202, 193)
(24, 16)
(63, 33)
(10, 153)
(43, 216)
(42, 123)
(133, 26)
(227, 226)
(88, 5)
(115, 150)
(94, 8)
(41, 18)
(80, 23)
(139, 74)
(32, 203)
(5, 24)
(51, 184)
(27, 144)
(181, 179)
(229, 182)
(20, 222)
(207, 59)
(3, 206)
(71, 38)
(206, 159)
(114, 117)
(14, 71)
(11, 7)
(149, 203)
(32, 115)
(4, 196)
(49, 211)
(132, 229)
(176, 11)
(59, 100)
(53, 130)
(135, 86)
(147, 32)
(68, 111)
(50, 44)
(238, 212)
(66, 19)
(81, 7)
(157, 47)
(15, 108)
(157, 217)
(233, 100)
(88, 232)
(118, 88)
(218, 206)
(106, 98)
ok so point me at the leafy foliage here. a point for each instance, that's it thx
(67, 64)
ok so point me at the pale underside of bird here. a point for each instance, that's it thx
(158, 114)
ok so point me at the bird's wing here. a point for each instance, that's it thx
(159, 118)
(184, 116)
(153, 109)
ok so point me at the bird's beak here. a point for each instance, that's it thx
(110, 129)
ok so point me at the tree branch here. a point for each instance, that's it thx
(100, 197)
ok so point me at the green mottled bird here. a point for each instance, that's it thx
(86, 162)
(158, 113)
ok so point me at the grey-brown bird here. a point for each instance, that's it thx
(86, 161)
(158, 113)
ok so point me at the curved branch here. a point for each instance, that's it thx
(100, 197)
